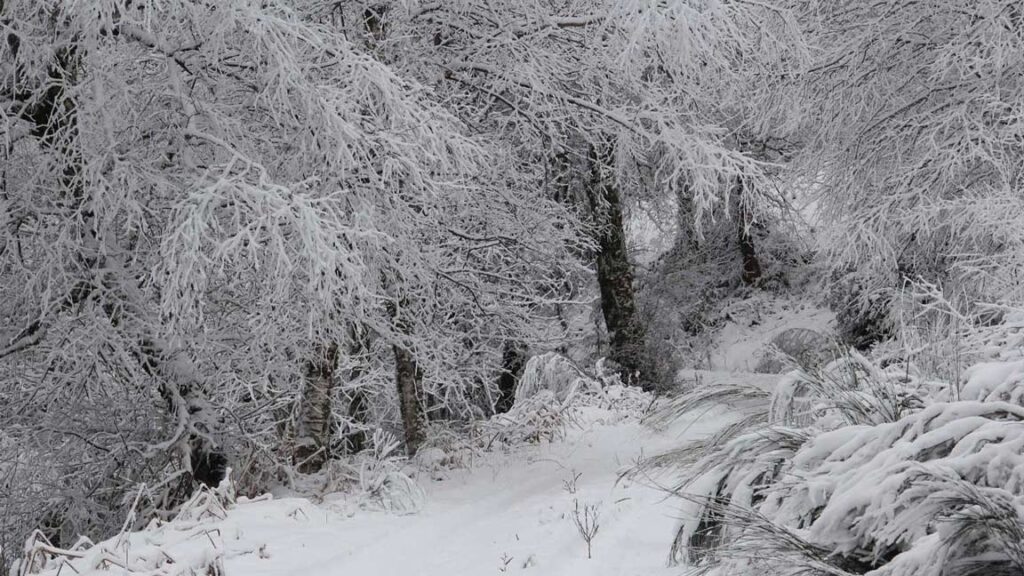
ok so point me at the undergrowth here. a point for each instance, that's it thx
(855, 469)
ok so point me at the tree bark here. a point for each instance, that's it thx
(313, 444)
(627, 339)
(513, 360)
(409, 381)
(751, 272)
(359, 411)
(354, 438)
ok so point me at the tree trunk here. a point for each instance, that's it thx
(358, 410)
(409, 380)
(354, 437)
(627, 346)
(313, 444)
(751, 265)
(513, 360)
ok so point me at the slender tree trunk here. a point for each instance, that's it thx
(513, 360)
(626, 335)
(409, 383)
(358, 410)
(312, 448)
(751, 265)
(355, 439)
(409, 380)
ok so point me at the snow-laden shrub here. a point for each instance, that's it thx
(537, 418)
(550, 372)
(857, 469)
(799, 346)
(381, 475)
(849, 390)
(190, 543)
(376, 476)
(1002, 340)
(550, 394)
(547, 390)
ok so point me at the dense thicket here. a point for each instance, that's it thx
(249, 234)
(209, 211)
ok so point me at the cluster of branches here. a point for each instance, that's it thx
(238, 233)
(210, 210)
(911, 118)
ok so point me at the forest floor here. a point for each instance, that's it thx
(505, 510)
(513, 512)
(509, 511)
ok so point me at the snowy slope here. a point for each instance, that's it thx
(509, 513)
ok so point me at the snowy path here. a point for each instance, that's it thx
(506, 513)
(511, 515)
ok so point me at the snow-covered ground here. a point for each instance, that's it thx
(753, 322)
(508, 512)
(502, 511)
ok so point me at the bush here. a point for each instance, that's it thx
(862, 313)
(856, 469)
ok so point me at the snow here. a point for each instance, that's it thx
(509, 512)
(694, 379)
(753, 322)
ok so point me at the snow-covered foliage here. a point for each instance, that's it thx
(190, 543)
(375, 477)
(554, 373)
(551, 394)
(304, 239)
(796, 346)
(856, 469)
(657, 82)
(200, 200)
(910, 115)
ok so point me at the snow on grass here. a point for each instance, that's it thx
(858, 475)
(753, 322)
(512, 511)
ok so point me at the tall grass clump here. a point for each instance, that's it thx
(856, 469)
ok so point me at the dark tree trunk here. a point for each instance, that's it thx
(354, 438)
(409, 380)
(751, 265)
(358, 410)
(513, 360)
(313, 444)
(615, 277)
